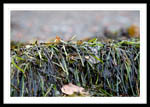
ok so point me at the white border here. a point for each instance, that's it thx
(110, 100)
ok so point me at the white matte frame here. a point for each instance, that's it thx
(80, 100)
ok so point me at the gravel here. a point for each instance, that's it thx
(45, 25)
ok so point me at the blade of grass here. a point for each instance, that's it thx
(22, 87)
(48, 90)
(13, 62)
(80, 57)
(97, 58)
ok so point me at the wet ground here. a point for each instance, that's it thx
(45, 25)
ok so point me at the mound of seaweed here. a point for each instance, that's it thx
(103, 68)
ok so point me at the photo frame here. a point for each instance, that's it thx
(75, 100)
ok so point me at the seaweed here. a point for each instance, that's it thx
(103, 68)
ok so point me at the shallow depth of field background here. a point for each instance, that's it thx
(27, 26)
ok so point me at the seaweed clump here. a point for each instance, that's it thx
(103, 68)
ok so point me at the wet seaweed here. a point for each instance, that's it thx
(103, 68)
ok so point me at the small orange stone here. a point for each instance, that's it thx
(79, 42)
(134, 31)
(57, 39)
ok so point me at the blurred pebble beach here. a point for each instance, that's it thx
(27, 26)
